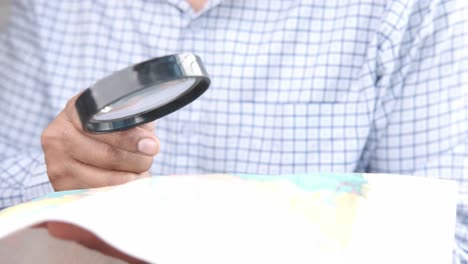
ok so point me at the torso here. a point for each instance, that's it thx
(287, 93)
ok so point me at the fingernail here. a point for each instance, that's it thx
(148, 146)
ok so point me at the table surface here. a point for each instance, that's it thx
(36, 246)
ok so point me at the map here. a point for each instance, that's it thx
(225, 218)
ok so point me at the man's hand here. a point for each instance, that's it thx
(76, 159)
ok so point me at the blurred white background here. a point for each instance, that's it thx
(3, 12)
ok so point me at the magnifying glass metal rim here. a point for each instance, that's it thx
(136, 78)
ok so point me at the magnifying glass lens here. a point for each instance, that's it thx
(145, 100)
(142, 93)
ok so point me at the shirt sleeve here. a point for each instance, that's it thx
(421, 118)
(24, 109)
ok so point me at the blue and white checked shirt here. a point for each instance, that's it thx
(297, 86)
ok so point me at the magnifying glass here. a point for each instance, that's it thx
(142, 93)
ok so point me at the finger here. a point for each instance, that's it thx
(149, 126)
(92, 152)
(86, 238)
(137, 140)
(83, 176)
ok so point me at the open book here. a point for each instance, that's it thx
(313, 218)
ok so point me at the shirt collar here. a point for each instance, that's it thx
(182, 5)
(185, 7)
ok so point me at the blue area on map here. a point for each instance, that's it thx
(337, 182)
(61, 194)
(311, 182)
